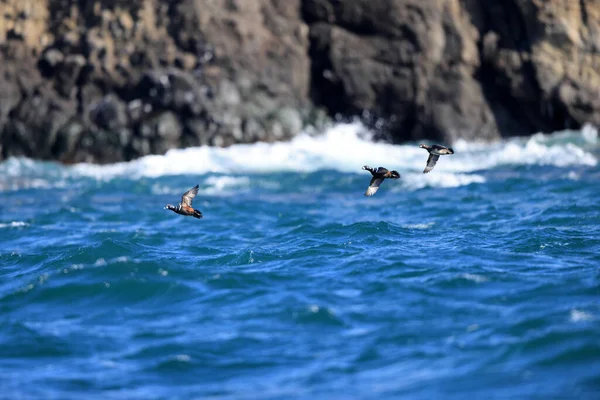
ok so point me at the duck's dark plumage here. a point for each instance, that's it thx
(435, 151)
(379, 175)
(185, 207)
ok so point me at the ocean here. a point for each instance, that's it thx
(480, 279)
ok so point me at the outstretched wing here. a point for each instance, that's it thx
(186, 199)
(373, 186)
(430, 163)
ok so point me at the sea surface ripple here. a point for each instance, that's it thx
(479, 279)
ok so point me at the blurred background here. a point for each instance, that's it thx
(106, 81)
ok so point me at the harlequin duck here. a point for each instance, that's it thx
(379, 174)
(435, 151)
(185, 207)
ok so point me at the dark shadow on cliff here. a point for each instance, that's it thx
(521, 109)
(341, 75)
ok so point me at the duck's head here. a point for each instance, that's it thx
(450, 151)
(169, 207)
(423, 146)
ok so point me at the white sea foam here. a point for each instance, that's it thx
(419, 226)
(589, 133)
(218, 184)
(163, 189)
(579, 316)
(347, 147)
(441, 179)
(14, 224)
(183, 358)
(343, 147)
(474, 278)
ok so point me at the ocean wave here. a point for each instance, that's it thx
(343, 147)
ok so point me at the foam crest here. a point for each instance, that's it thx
(419, 226)
(416, 181)
(560, 149)
(215, 184)
(14, 224)
(347, 147)
(579, 316)
(343, 147)
(218, 184)
(24, 173)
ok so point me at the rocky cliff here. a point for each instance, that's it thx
(104, 81)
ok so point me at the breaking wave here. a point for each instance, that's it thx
(347, 147)
(343, 147)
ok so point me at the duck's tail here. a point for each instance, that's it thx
(197, 214)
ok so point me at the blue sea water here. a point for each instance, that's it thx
(480, 279)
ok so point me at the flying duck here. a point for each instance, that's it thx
(185, 207)
(435, 151)
(379, 174)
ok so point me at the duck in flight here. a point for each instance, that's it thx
(379, 174)
(435, 151)
(185, 207)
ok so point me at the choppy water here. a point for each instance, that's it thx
(480, 279)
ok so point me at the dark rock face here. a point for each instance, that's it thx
(111, 81)
(444, 69)
(115, 80)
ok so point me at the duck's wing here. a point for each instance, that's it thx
(186, 199)
(373, 186)
(431, 162)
